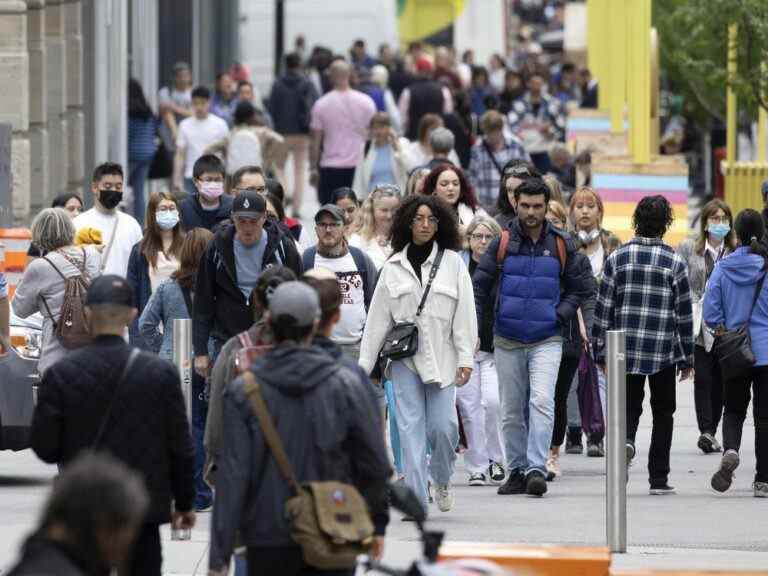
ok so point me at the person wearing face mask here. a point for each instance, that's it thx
(210, 206)
(156, 257)
(230, 269)
(119, 231)
(716, 240)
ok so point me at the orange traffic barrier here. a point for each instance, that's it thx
(538, 560)
(686, 573)
(14, 243)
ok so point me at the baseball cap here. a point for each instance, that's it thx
(294, 304)
(249, 204)
(180, 67)
(110, 289)
(332, 210)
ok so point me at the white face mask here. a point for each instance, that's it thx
(588, 237)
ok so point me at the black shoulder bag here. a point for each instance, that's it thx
(105, 419)
(402, 340)
(733, 348)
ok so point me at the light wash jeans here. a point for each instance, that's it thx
(394, 435)
(478, 403)
(426, 415)
(527, 378)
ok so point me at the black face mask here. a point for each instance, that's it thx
(110, 198)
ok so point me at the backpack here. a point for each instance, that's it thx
(501, 253)
(72, 329)
(244, 150)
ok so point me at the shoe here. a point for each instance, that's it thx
(760, 489)
(573, 444)
(477, 479)
(708, 444)
(630, 453)
(662, 490)
(444, 497)
(553, 466)
(206, 507)
(595, 450)
(496, 473)
(535, 484)
(409, 519)
(721, 480)
(515, 484)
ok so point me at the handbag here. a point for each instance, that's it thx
(328, 520)
(402, 340)
(588, 392)
(733, 348)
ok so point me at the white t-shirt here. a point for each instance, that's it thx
(376, 252)
(196, 135)
(597, 259)
(349, 329)
(166, 265)
(127, 233)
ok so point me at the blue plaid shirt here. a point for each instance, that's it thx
(645, 291)
(3, 286)
(483, 173)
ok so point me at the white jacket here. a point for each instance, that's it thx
(447, 325)
(364, 168)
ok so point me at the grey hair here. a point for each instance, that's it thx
(441, 140)
(380, 75)
(484, 220)
(52, 228)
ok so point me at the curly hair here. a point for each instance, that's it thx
(467, 195)
(447, 234)
(653, 217)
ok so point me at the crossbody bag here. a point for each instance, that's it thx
(123, 377)
(402, 340)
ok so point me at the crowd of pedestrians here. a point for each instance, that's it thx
(459, 298)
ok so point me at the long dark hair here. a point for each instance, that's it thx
(152, 242)
(520, 169)
(137, 102)
(447, 234)
(750, 230)
(467, 195)
(706, 213)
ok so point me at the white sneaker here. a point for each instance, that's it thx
(444, 497)
(553, 466)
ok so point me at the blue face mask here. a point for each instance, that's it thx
(167, 220)
(719, 231)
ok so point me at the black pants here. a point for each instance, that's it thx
(707, 390)
(330, 180)
(736, 405)
(285, 561)
(663, 405)
(147, 556)
(565, 374)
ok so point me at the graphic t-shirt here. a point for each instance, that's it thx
(349, 330)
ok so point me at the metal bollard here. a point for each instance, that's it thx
(182, 358)
(616, 422)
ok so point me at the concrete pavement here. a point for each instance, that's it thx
(695, 529)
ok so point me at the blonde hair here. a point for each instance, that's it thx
(556, 191)
(368, 228)
(558, 210)
(52, 229)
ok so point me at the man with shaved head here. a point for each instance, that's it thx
(339, 125)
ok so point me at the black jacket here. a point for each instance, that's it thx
(138, 278)
(330, 428)
(147, 429)
(42, 556)
(194, 216)
(290, 103)
(572, 341)
(426, 98)
(221, 309)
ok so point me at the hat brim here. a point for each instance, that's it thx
(249, 215)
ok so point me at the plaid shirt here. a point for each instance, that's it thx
(645, 291)
(483, 173)
(3, 286)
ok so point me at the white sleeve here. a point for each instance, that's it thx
(465, 320)
(377, 325)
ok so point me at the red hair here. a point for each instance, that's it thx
(467, 195)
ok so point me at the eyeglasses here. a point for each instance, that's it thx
(328, 225)
(482, 237)
(257, 189)
(429, 221)
(166, 209)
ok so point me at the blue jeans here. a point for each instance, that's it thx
(204, 494)
(137, 179)
(527, 378)
(426, 415)
(394, 435)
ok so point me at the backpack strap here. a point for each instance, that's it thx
(562, 253)
(359, 257)
(271, 435)
(308, 258)
(245, 339)
(501, 253)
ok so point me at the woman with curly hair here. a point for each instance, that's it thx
(450, 184)
(425, 239)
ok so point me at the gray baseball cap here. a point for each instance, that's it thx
(332, 210)
(294, 304)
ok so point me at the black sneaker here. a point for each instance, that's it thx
(573, 443)
(535, 484)
(722, 479)
(661, 490)
(496, 473)
(708, 444)
(515, 484)
(595, 450)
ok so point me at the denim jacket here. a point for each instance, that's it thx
(165, 305)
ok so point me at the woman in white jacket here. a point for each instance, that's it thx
(450, 184)
(383, 160)
(424, 384)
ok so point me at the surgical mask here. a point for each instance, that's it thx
(211, 190)
(588, 237)
(719, 231)
(167, 220)
(110, 198)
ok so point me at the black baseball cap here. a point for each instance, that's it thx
(249, 204)
(110, 289)
(333, 211)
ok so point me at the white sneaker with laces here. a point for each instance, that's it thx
(444, 497)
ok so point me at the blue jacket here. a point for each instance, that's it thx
(166, 305)
(535, 301)
(729, 296)
(138, 278)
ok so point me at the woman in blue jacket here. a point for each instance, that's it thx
(728, 304)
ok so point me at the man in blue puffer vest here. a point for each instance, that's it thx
(533, 292)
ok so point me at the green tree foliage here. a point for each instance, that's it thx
(693, 44)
